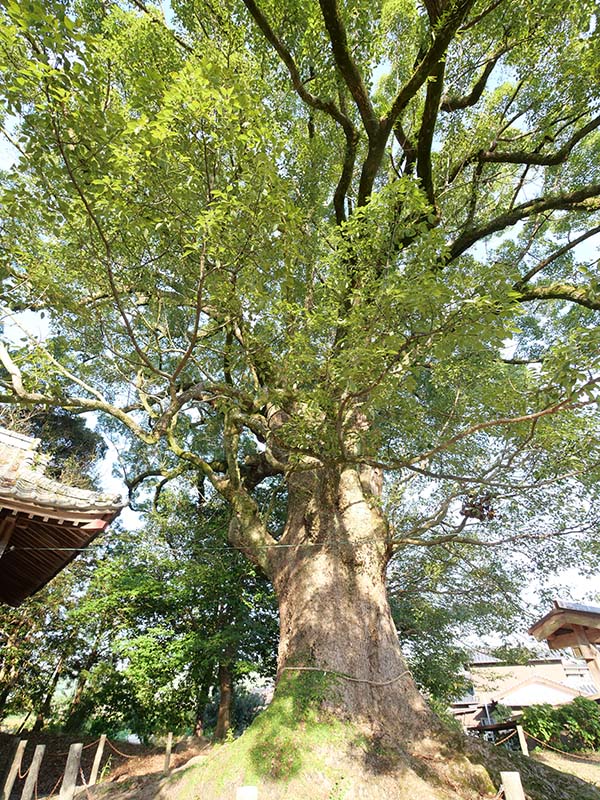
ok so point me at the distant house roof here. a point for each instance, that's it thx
(43, 523)
(480, 657)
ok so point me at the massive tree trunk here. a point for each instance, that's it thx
(334, 614)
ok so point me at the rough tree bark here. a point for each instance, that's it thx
(330, 581)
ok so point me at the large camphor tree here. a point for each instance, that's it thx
(302, 244)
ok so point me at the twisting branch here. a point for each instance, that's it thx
(453, 103)
(556, 255)
(449, 23)
(347, 66)
(540, 159)
(586, 199)
(327, 106)
(452, 18)
(22, 395)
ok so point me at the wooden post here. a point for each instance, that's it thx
(67, 790)
(247, 793)
(14, 769)
(97, 761)
(589, 653)
(166, 767)
(522, 740)
(32, 774)
(513, 788)
(7, 526)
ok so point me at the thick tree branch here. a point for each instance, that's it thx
(425, 141)
(586, 199)
(450, 21)
(347, 66)
(541, 159)
(556, 255)
(562, 291)
(327, 106)
(341, 190)
(453, 103)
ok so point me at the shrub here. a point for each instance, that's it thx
(540, 721)
(574, 726)
(580, 723)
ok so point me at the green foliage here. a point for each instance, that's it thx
(580, 722)
(542, 722)
(514, 654)
(140, 629)
(502, 713)
(246, 705)
(572, 727)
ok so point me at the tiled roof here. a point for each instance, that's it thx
(22, 480)
(480, 657)
(567, 605)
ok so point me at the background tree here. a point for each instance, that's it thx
(277, 267)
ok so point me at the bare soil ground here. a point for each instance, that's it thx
(121, 761)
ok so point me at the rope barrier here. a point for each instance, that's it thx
(506, 738)
(556, 750)
(55, 787)
(85, 747)
(85, 784)
(348, 677)
(118, 752)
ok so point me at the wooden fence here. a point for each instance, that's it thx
(71, 774)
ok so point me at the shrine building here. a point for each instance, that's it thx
(44, 524)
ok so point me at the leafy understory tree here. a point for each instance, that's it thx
(266, 265)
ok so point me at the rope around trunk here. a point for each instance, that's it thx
(348, 677)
